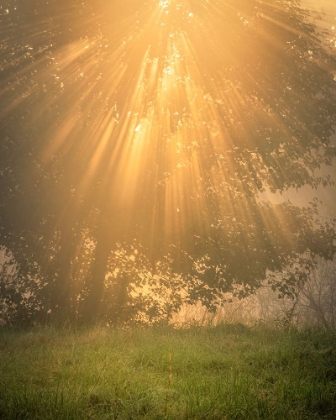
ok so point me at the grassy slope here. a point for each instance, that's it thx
(225, 372)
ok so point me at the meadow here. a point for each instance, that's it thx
(221, 372)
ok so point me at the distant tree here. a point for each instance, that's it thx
(317, 297)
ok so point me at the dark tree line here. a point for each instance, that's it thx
(135, 140)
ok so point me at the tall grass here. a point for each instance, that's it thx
(222, 372)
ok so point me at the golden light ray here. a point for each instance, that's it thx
(152, 103)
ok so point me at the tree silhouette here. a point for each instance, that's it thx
(161, 122)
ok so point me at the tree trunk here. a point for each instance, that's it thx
(66, 255)
(119, 310)
(95, 284)
(65, 259)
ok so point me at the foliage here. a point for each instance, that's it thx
(102, 150)
(22, 298)
(311, 304)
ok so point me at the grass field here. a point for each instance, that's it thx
(223, 372)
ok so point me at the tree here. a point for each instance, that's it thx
(317, 298)
(163, 123)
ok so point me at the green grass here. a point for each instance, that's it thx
(223, 372)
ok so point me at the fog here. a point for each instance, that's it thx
(149, 151)
(327, 195)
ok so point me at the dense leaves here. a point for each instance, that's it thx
(136, 140)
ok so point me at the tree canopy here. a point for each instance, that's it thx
(136, 138)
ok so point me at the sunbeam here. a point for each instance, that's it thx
(163, 122)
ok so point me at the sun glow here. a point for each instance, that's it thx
(152, 103)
